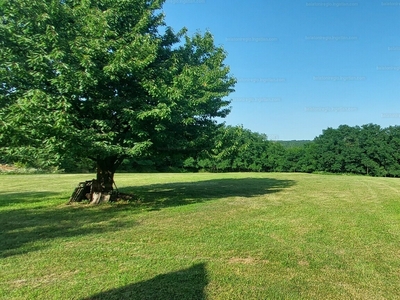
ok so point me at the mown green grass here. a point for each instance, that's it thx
(202, 236)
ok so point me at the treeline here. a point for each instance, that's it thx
(368, 149)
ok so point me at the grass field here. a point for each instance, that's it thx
(202, 236)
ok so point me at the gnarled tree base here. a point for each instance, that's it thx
(93, 191)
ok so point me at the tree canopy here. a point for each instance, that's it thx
(105, 80)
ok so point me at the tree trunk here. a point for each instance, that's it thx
(105, 176)
(102, 187)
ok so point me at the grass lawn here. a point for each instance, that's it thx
(202, 236)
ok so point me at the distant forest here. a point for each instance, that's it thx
(368, 150)
(294, 143)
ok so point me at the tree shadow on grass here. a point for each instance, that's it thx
(184, 284)
(28, 229)
(23, 230)
(157, 196)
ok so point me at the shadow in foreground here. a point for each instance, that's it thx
(184, 284)
(32, 228)
(156, 196)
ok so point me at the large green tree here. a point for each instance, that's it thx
(106, 80)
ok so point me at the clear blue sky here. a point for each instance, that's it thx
(303, 66)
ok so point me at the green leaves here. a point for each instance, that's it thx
(96, 79)
(368, 149)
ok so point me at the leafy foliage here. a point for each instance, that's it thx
(104, 80)
(369, 150)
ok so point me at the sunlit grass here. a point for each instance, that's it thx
(202, 236)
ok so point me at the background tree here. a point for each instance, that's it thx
(393, 146)
(275, 160)
(368, 149)
(329, 146)
(105, 80)
(235, 149)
